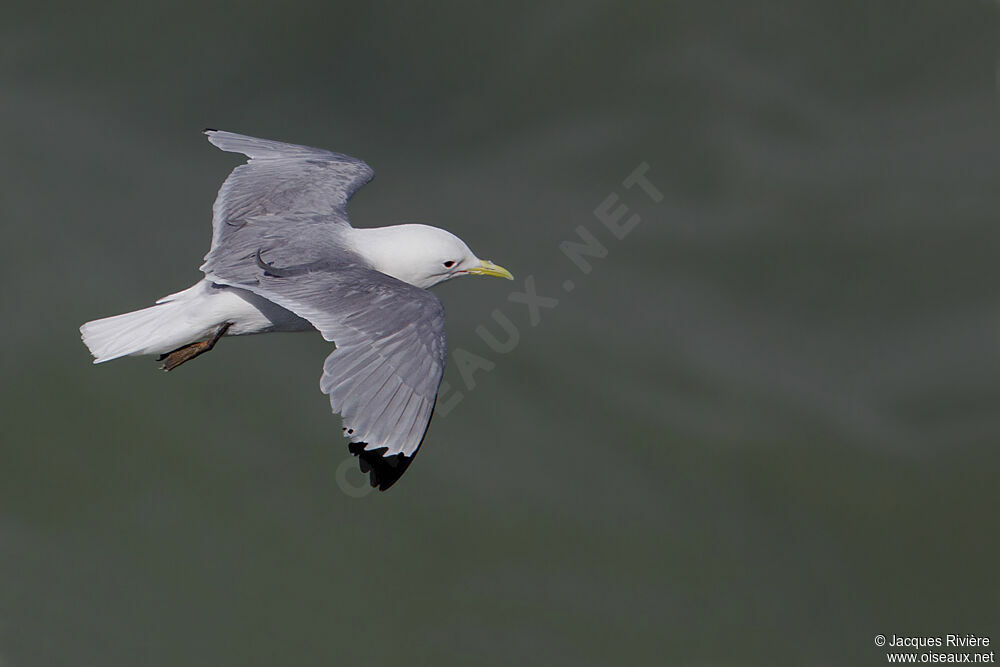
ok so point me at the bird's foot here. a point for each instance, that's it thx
(172, 360)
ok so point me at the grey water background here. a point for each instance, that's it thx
(762, 430)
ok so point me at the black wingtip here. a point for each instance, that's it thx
(383, 471)
(209, 129)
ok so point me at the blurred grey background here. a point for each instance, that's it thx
(763, 429)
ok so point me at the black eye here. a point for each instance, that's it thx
(449, 264)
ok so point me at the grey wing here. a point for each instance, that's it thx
(283, 191)
(384, 375)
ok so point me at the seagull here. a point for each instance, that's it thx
(284, 257)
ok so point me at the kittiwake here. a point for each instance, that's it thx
(284, 257)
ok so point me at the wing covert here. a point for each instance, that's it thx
(279, 184)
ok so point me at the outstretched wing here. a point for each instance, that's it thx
(278, 226)
(283, 191)
(383, 377)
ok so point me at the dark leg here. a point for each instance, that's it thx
(189, 352)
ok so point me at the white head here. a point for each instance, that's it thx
(420, 255)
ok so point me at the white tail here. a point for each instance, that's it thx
(155, 330)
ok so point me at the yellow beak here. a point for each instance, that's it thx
(488, 268)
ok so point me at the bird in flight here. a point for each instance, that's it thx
(284, 257)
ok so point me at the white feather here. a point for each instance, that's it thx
(185, 317)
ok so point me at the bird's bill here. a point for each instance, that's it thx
(488, 268)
